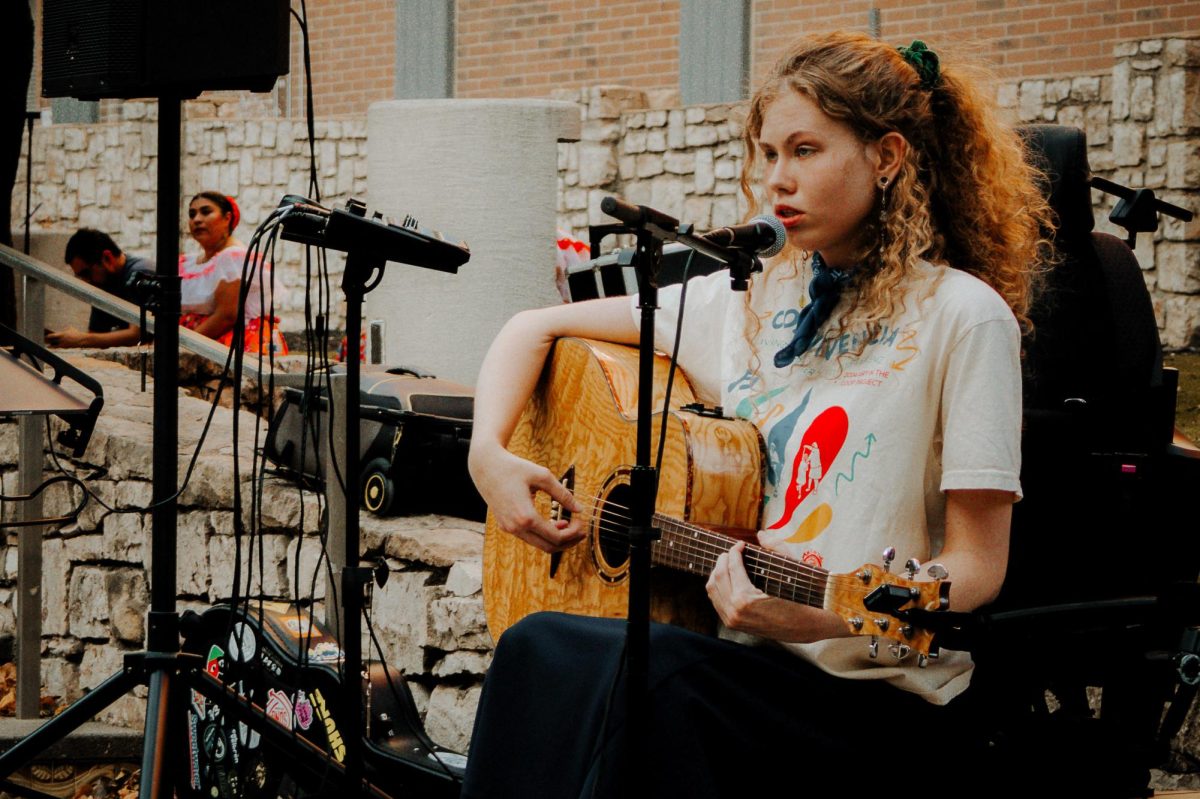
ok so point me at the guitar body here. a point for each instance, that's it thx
(581, 425)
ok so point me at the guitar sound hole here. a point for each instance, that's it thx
(610, 544)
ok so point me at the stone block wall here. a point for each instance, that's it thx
(96, 584)
(683, 161)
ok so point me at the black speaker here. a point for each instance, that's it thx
(148, 48)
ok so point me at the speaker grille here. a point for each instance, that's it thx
(90, 46)
(147, 48)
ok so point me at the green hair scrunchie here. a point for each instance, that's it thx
(925, 62)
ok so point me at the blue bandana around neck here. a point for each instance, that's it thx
(825, 289)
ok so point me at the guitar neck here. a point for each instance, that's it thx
(690, 548)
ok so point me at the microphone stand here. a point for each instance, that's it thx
(652, 229)
(643, 484)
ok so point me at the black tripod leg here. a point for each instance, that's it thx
(77, 713)
(154, 752)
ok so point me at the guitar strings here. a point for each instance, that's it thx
(786, 573)
(770, 566)
(805, 588)
(789, 575)
(618, 534)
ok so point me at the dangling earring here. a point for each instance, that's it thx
(883, 202)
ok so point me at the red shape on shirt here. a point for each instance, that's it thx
(819, 446)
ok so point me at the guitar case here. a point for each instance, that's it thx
(415, 431)
(287, 664)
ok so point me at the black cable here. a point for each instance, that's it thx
(317, 350)
(268, 402)
(400, 703)
(62, 478)
(253, 264)
(662, 433)
(316, 362)
(313, 188)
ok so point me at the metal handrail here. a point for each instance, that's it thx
(72, 286)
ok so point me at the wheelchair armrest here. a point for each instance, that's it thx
(1176, 607)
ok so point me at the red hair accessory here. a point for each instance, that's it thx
(236, 213)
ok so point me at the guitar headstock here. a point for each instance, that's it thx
(873, 601)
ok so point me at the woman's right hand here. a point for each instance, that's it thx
(507, 378)
(508, 484)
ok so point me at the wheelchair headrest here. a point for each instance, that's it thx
(1061, 153)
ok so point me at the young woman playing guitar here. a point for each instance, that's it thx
(879, 356)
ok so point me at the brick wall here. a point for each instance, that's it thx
(1021, 38)
(353, 56)
(512, 48)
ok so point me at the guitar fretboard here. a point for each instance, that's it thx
(694, 549)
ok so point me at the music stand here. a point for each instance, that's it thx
(29, 392)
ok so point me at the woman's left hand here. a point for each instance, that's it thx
(745, 608)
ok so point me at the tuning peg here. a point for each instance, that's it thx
(937, 571)
(911, 567)
(889, 555)
(873, 648)
(900, 651)
(922, 660)
(857, 623)
(883, 623)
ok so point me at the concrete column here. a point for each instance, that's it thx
(714, 50)
(481, 170)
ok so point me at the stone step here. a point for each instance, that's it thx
(92, 742)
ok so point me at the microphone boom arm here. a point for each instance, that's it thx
(665, 228)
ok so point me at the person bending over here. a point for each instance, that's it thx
(914, 225)
(94, 257)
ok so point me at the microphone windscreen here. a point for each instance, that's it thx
(773, 222)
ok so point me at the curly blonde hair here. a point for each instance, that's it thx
(964, 196)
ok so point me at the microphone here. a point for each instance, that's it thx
(764, 235)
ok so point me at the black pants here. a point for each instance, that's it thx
(725, 720)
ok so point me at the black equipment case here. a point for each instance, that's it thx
(612, 275)
(415, 433)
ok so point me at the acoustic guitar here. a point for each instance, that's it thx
(581, 424)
